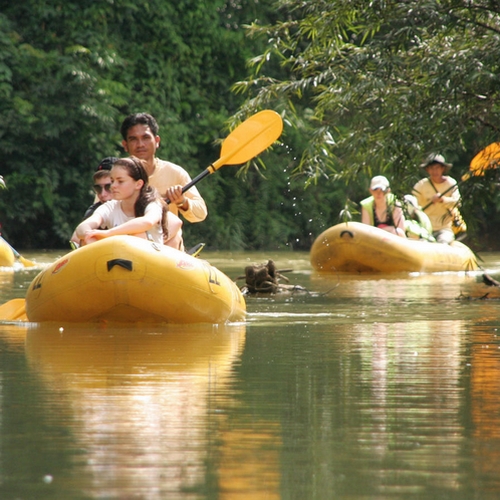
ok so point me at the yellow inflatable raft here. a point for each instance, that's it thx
(354, 247)
(128, 279)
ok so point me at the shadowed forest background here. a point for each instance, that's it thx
(364, 88)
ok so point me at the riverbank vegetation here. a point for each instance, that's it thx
(364, 88)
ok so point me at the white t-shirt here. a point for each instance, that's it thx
(439, 213)
(113, 215)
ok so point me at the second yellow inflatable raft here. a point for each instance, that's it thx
(358, 248)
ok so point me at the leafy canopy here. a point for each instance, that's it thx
(377, 85)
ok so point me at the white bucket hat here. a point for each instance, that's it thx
(436, 158)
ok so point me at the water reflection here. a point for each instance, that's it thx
(484, 369)
(384, 367)
(367, 387)
(6, 279)
(141, 404)
(413, 370)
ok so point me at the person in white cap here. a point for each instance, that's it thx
(381, 208)
(438, 195)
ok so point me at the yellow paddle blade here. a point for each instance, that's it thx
(486, 159)
(250, 138)
(13, 310)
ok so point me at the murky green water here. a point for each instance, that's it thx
(364, 387)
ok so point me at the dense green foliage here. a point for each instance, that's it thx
(378, 85)
(71, 71)
(364, 87)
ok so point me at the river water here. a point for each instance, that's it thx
(379, 387)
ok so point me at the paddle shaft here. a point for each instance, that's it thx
(443, 193)
(197, 179)
(209, 170)
(194, 181)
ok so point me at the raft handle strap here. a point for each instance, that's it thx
(349, 233)
(126, 264)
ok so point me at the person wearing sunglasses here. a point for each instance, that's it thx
(102, 190)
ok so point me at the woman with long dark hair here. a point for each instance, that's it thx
(136, 208)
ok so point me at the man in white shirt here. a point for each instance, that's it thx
(438, 195)
(140, 138)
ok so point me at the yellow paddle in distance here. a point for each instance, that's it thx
(19, 257)
(486, 159)
(245, 142)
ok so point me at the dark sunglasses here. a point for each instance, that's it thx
(98, 188)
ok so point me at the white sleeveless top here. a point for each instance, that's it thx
(113, 215)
